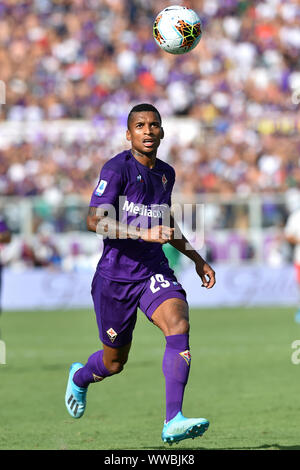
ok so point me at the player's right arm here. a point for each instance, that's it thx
(98, 221)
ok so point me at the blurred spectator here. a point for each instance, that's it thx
(5, 237)
(42, 253)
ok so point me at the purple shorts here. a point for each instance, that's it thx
(116, 303)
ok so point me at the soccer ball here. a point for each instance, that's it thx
(177, 29)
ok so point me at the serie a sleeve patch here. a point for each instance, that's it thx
(101, 188)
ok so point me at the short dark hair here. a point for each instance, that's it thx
(142, 107)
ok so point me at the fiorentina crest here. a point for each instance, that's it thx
(112, 334)
(97, 378)
(186, 356)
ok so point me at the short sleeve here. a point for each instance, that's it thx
(108, 188)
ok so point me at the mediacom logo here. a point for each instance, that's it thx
(141, 209)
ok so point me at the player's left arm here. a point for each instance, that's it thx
(204, 270)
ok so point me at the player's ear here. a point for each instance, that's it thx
(128, 135)
(162, 133)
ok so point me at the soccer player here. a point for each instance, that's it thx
(292, 234)
(128, 206)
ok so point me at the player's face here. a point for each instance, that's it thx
(145, 132)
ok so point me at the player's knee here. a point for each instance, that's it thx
(115, 367)
(182, 327)
(179, 327)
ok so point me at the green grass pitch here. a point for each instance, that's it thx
(242, 379)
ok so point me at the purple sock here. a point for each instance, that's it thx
(176, 368)
(93, 371)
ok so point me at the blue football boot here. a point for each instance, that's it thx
(297, 316)
(75, 398)
(180, 428)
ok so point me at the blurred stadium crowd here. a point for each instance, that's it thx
(94, 59)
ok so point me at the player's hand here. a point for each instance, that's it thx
(207, 274)
(158, 234)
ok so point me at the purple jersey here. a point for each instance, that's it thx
(145, 199)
